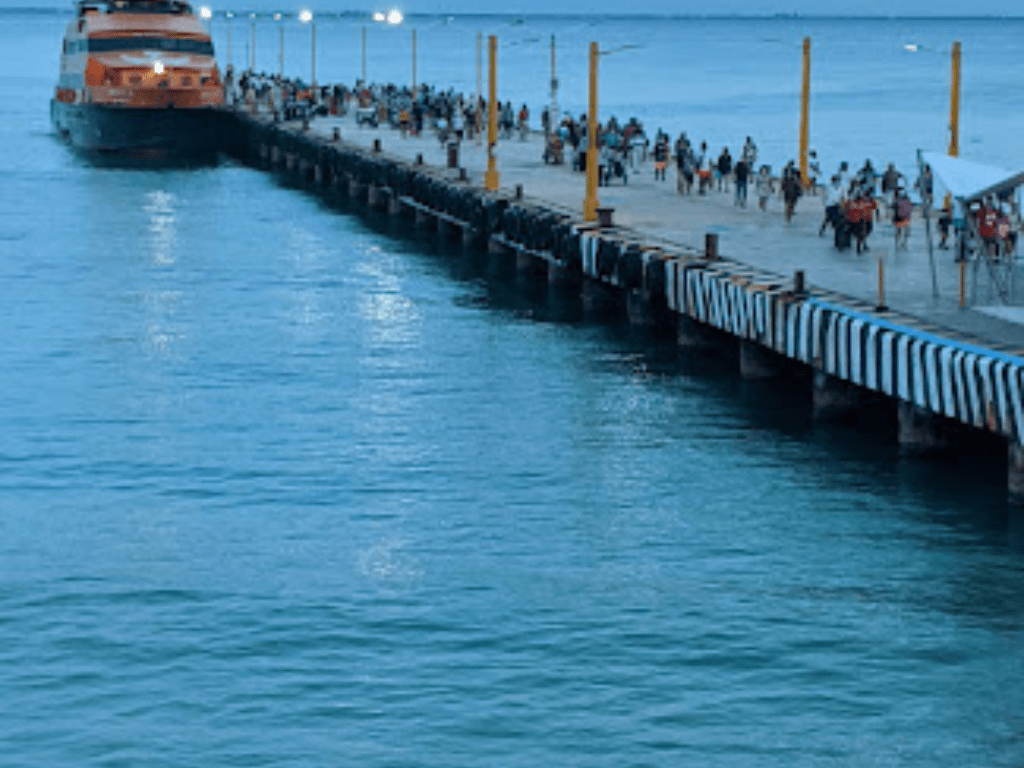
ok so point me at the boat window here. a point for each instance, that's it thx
(177, 45)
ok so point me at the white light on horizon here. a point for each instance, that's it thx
(378, 16)
(395, 17)
(158, 67)
(205, 13)
(306, 16)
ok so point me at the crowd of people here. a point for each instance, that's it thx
(853, 201)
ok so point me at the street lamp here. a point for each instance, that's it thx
(280, 46)
(491, 178)
(228, 15)
(590, 202)
(252, 42)
(306, 17)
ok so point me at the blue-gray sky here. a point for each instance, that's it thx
(716, 7)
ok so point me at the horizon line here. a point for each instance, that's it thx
(610, 15)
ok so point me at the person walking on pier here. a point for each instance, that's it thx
(660, 157)
(813, 172)
(750, 153)
(742, 174)
(703, 169)
(835, 195)
(902, 212)
(945, 222)
(723, 170)
(859, 214)
(764, 186)
(890, 183)
(792, 188)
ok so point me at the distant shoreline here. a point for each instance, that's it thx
(68, 7)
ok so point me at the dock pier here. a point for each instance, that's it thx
(693, 269)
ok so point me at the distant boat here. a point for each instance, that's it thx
(138, 77)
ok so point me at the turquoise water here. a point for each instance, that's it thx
(279, 486)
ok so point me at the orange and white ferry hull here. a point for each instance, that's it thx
(138, 77)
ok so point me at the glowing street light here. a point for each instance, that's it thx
(395, 17)
(306, 17)
(379, 17)
(205, 13)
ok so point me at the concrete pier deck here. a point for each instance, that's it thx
(658, 214)
(777, 294)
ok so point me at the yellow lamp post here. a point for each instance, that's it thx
(590, 202)
(805, 99)
(954, 103)
(491, 177)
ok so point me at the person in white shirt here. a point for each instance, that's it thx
(835, 195)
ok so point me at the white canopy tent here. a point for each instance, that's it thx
(968, 181)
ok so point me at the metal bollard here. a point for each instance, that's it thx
(711, 246)
(337, 134)
(882, 307)
(799, 287)
(376, 145)
(519, 191)
(419, 158)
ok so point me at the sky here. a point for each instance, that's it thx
(681, 7)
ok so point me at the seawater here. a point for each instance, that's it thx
(279, 486)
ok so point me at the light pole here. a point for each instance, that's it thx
(590, 202)
(954, 103)
(228, 16)
(364, 58)
(553, 109)
(280, 45)
(252, 42)
(478, 128)
(491, 177)
(306, 17)
(805, 99)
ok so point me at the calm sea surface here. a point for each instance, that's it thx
(279, 488)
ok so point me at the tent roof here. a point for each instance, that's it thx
(969, 181)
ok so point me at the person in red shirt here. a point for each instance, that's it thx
(860, 213)
(988, 227)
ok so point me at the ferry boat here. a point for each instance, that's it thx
(139, 78)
